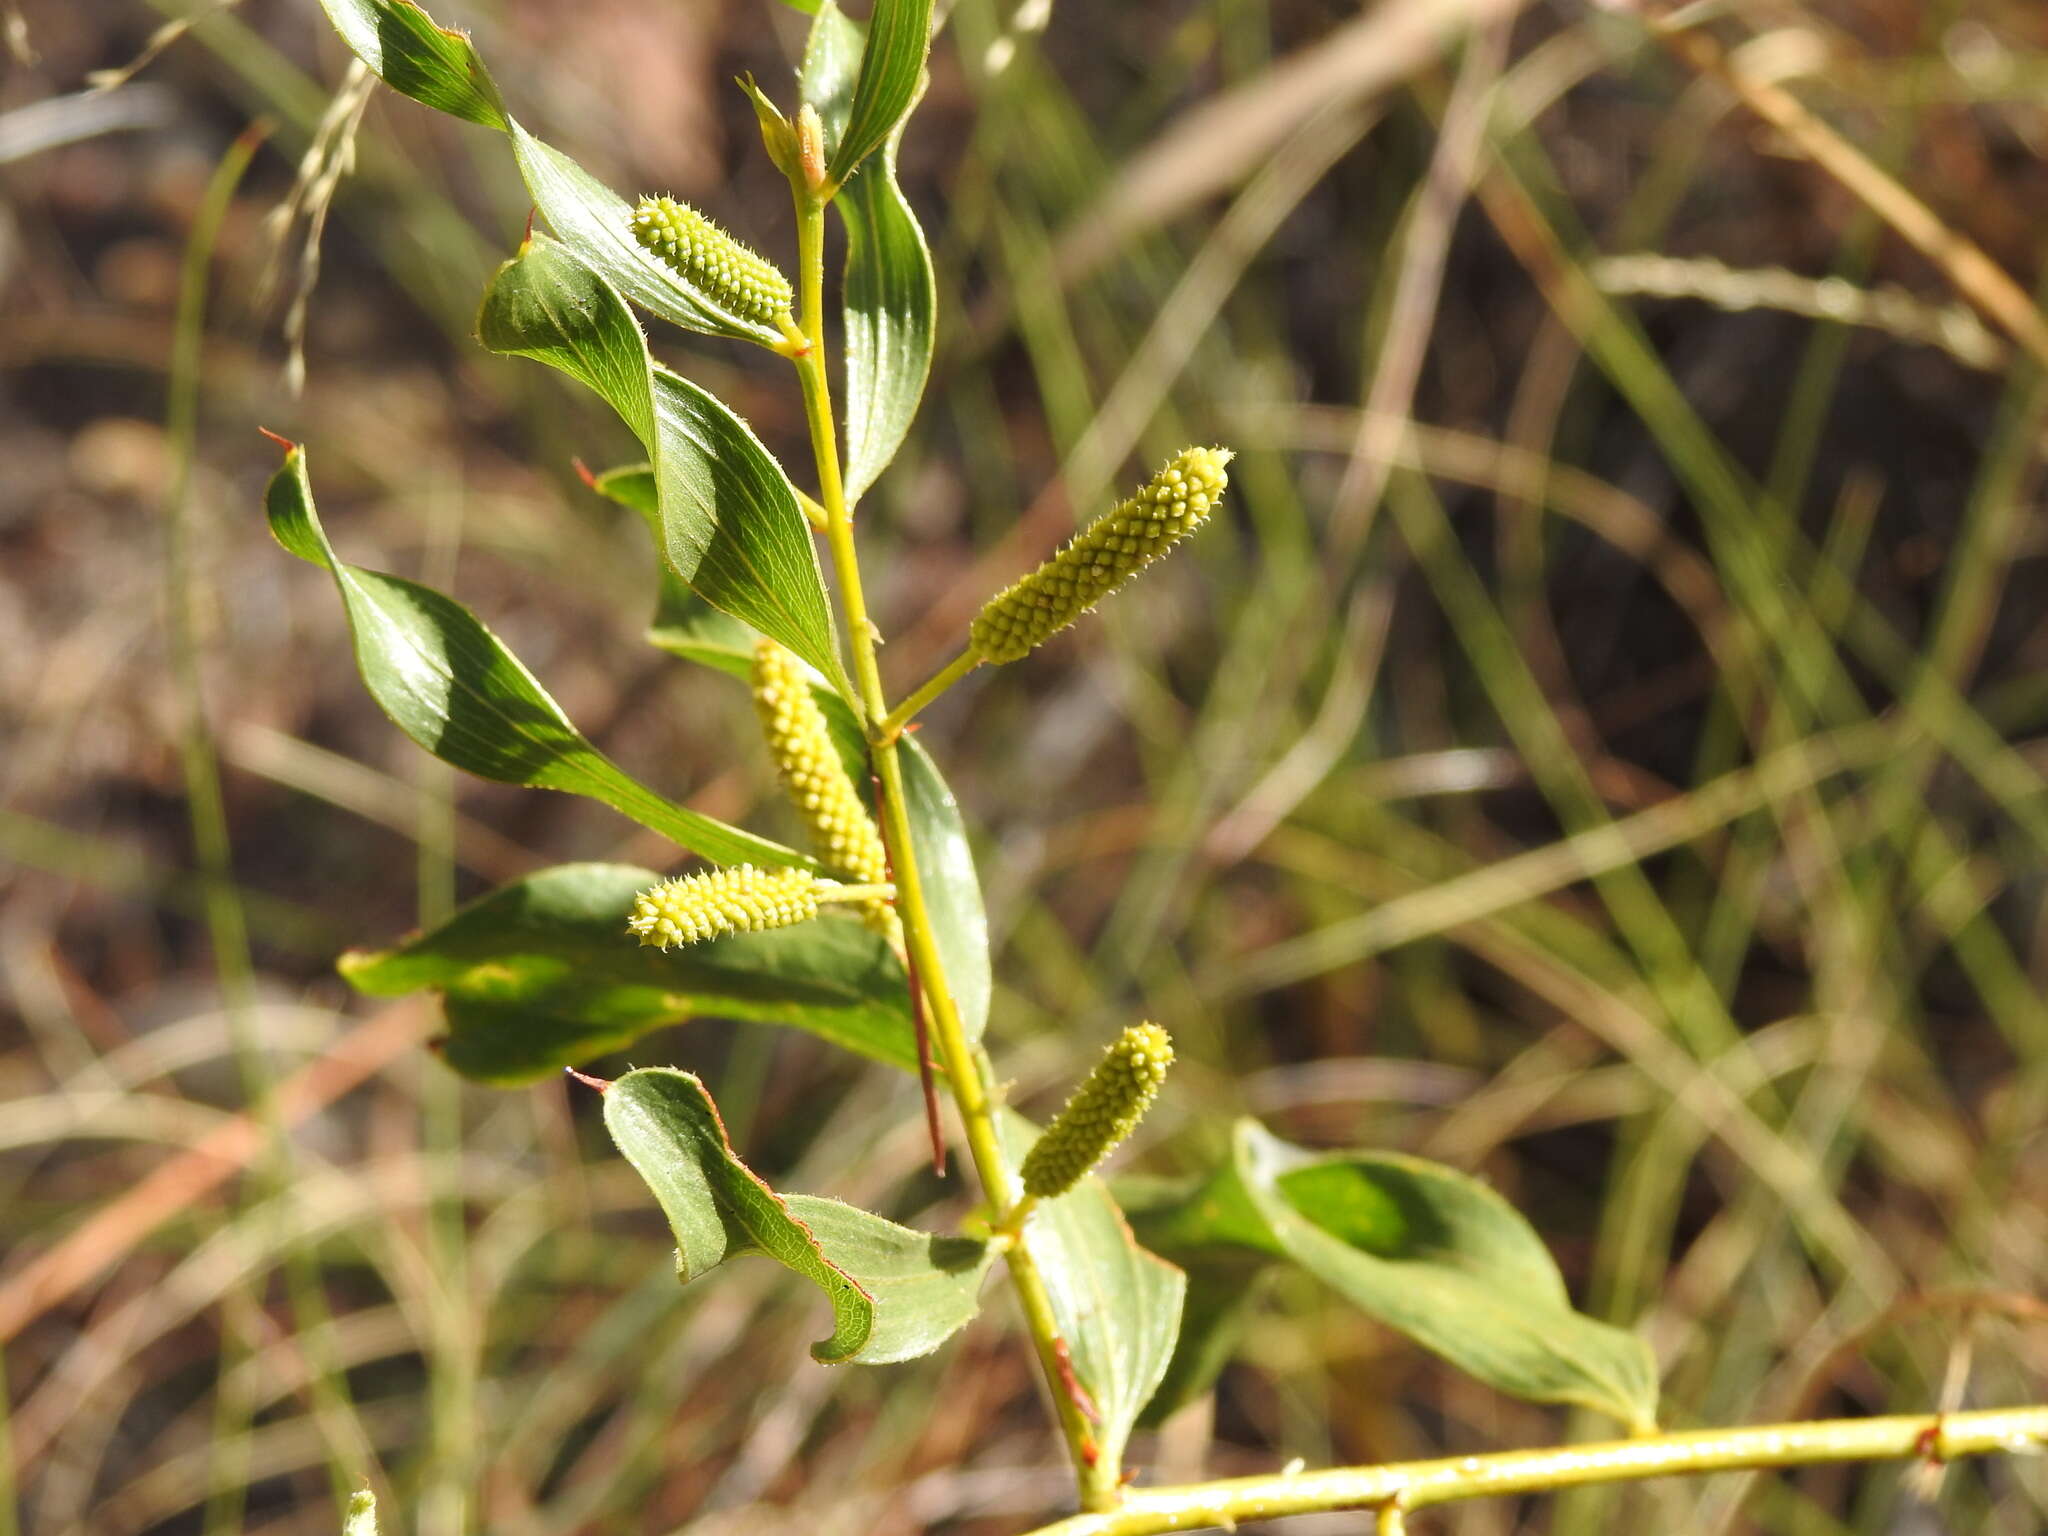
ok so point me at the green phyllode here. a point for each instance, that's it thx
(738, 899)
(702, 254)
(1103, 557)
(1103, 1111)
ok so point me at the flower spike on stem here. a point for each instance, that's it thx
(1103, 1111)
(842, 833)
(738, 899)
(698, 251)
(1112, 549)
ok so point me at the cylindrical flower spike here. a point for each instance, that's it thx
(730, 275)
(738, 899)
(1103, 1111)
(1103, 557)
(842, 833)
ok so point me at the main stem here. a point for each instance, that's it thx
(1096, 1479)
(1934, 1438)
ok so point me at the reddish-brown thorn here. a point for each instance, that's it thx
(599, 1083)
(583, 473)
(283, 442)
(1927, 1444)
(527, 239)
(1070, 1383)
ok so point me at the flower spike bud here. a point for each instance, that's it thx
(737, 899)
(1103, 556)
(814, 776)
(702, 254)
(1103, 1111)
(810, 139)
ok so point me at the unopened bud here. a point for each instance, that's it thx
(1103, 1111)
(810, 144)
(814, 776)
(706, 257)
(1103, 556)
(737, 899)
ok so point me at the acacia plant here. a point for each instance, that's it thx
(874, 937)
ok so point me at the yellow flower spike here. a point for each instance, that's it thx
(738, 899)
(814, 776)
(730, 275)
(1103, 1111)
(1103, 557)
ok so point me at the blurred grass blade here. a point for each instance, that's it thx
(1118, 1305)
(434, 65)
(890, 298)
(1428, 1251)
(541, 974)
(731, 525)
(440, 68)
(453, 687)
(895, 1293)
(892, 64)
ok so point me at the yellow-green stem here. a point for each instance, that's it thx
(882, 891)
(1411, 1485)
(950, 674)
(1097, 1481)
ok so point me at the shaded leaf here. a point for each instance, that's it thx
(432, 64)
(1428, 1251)
(891, 67)
(925, 1286)
(1221, 1284)
(890, 297)
(1118, 1305)
(547, 304)
(453, 687)
(895, 1293)
(541, 974)
(668, 1128)
(730, 523)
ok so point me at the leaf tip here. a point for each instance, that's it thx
(584, 473)
(283, 442)
(601, 1084)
